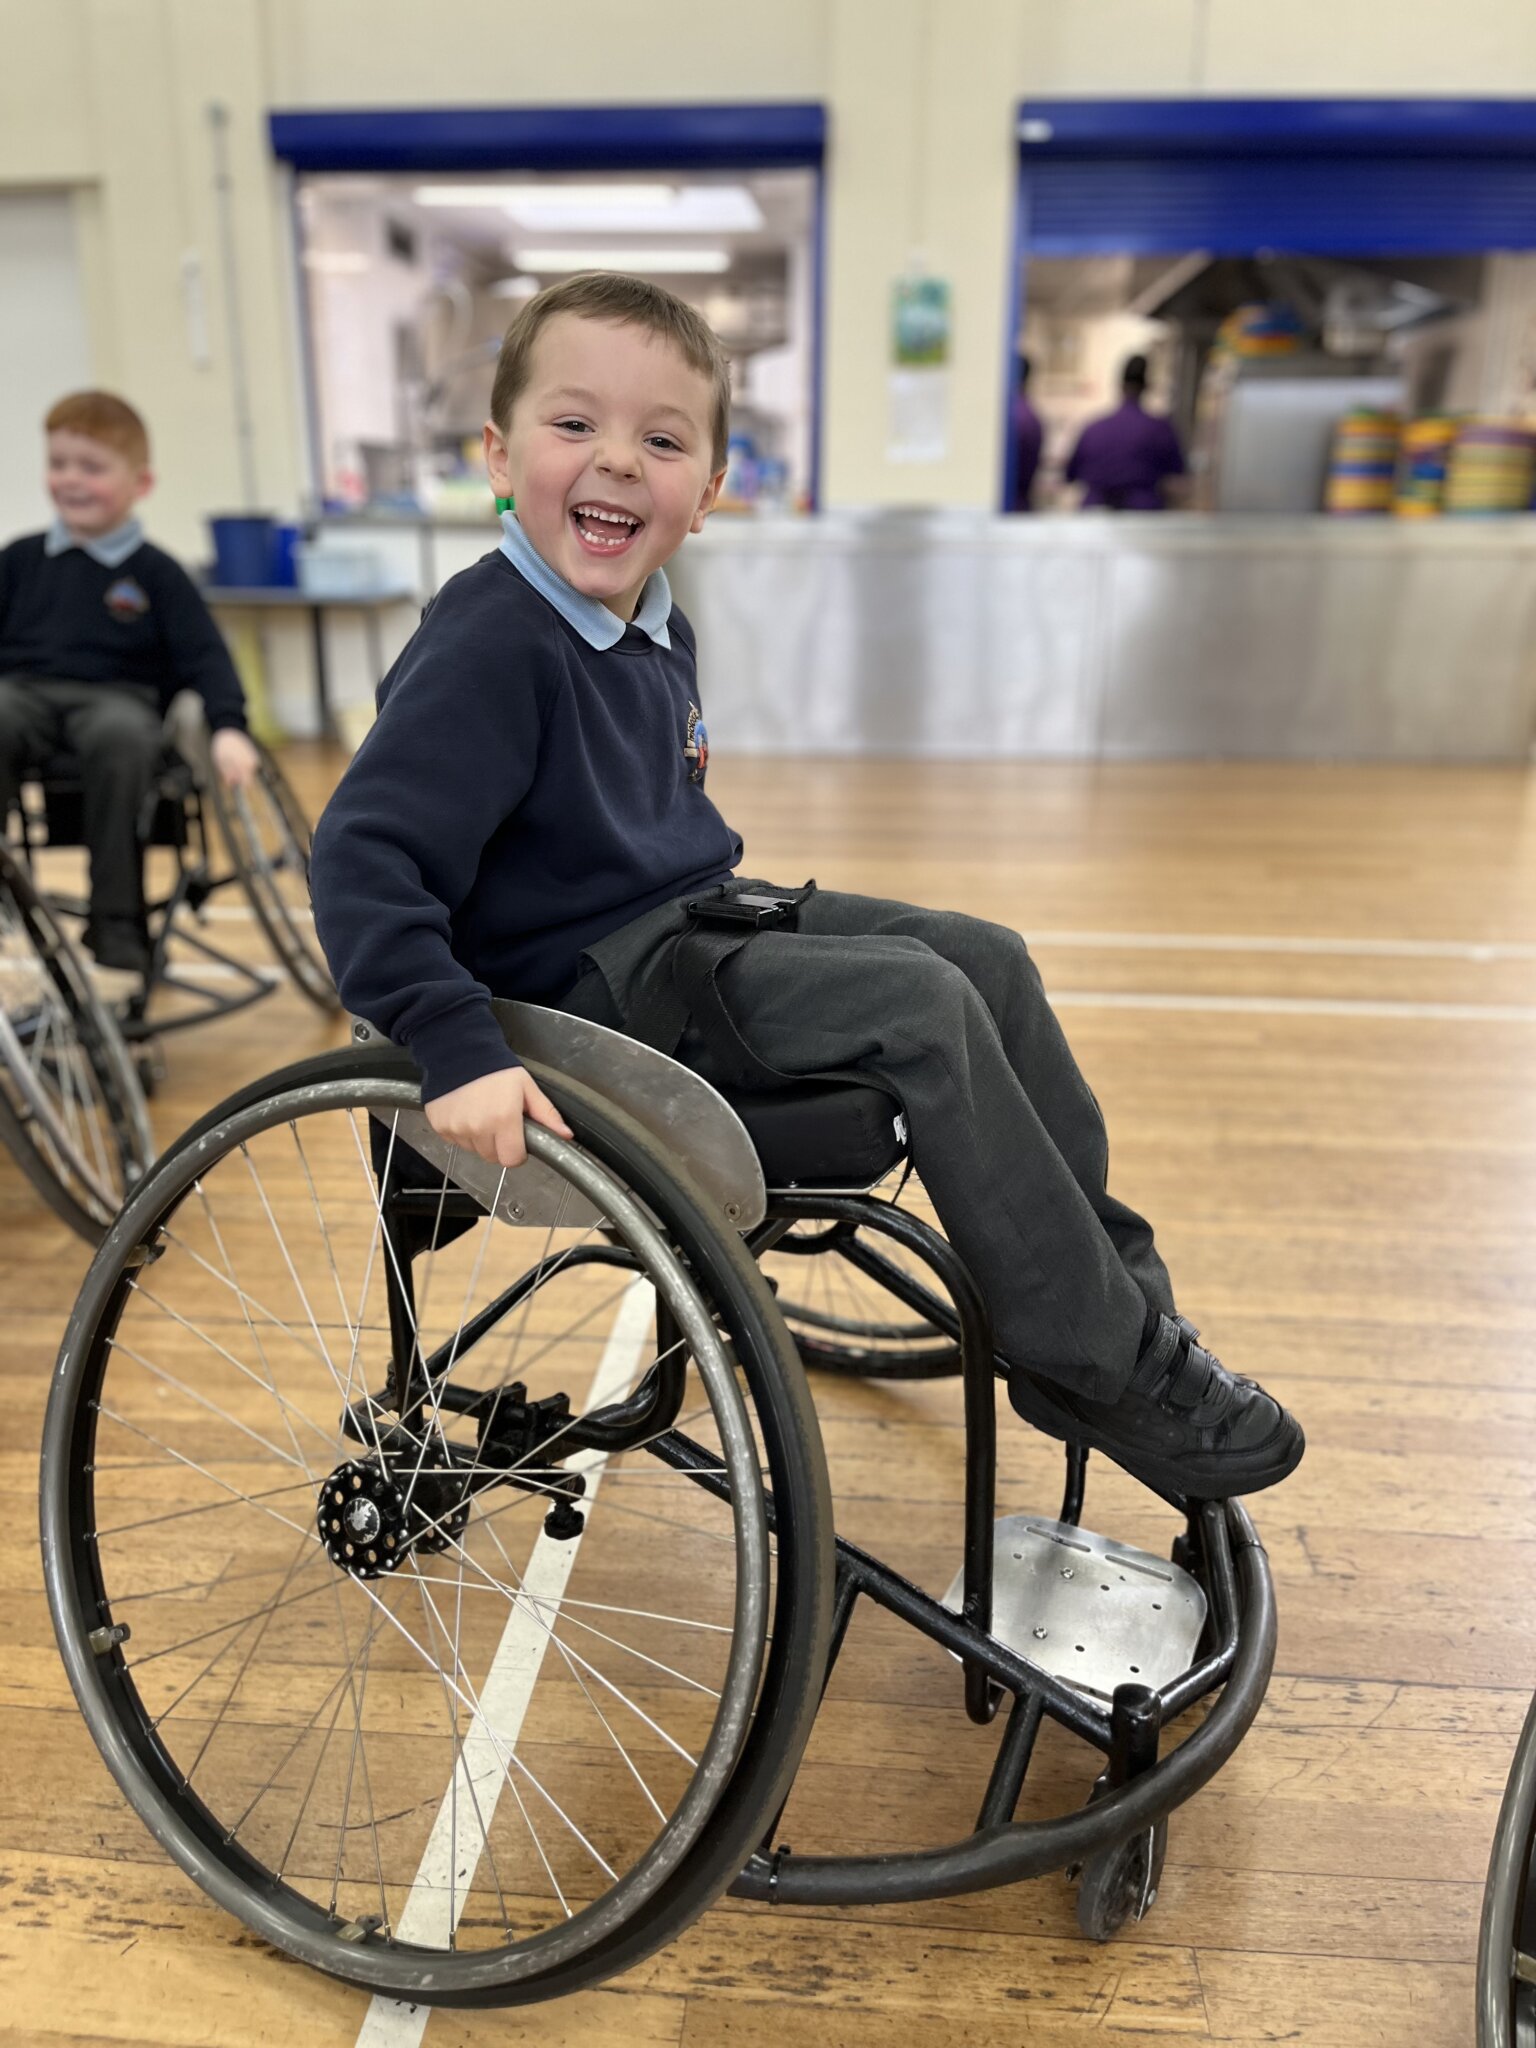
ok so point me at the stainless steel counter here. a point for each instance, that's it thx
(1118, 636)
(952, 633)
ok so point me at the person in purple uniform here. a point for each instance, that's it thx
(1122, 460)
(1028, 434)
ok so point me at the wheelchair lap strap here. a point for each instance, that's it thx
(696, 961)
(681, 988)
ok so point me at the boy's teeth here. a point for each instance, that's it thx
(589, 517)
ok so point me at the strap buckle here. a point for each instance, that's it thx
(749, 910)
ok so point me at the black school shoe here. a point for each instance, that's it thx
(1184, 1425)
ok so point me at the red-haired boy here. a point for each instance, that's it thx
(98, 631)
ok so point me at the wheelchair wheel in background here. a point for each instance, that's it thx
(400, 1694)
(267, 836)
(1506, 1949)
(71, 1106)
(834, 1288)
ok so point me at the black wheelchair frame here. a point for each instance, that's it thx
(1116, 1840)
(1219, 1544)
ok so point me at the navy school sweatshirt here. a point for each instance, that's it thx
(142, 621)
(521, 795)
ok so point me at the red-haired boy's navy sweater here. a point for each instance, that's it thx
(522, 795)
(142, 619)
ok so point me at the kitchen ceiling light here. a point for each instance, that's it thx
(694, 210)
(660, 210)
(671, 262)
(512, 198)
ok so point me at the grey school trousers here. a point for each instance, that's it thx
(115, 730)
(950, 1013)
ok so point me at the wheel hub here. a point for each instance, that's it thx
(372, 1514)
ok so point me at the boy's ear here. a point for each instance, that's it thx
(495, 443)
(708, 502)
(143, 483)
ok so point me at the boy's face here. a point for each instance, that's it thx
(615, 420)
(93, 487)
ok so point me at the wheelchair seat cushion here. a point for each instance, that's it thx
(823, 1133)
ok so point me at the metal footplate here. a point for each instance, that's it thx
(1088, 1609)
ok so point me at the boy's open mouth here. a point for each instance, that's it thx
(604, 529)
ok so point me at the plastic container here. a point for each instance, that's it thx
(326, 571)
(284, 565)
(242, 549)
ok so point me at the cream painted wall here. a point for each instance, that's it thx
(108, 98)
(47, 346)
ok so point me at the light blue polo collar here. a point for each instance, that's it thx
(598, 626)
(110, 549)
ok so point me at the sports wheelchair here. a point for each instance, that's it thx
(265, 841)
(72, 1111)
(443, 1556)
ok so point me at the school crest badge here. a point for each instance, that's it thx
(696, 746)
(125, 599)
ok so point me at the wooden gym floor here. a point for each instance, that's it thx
(1306, 997)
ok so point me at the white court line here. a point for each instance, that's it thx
(1298, 1006)
(1106, 999)
(1185, 942)
(1234, 942)
(455, 1850)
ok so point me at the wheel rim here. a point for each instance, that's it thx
(73, 1097)
(368, 1769)
(268, 840)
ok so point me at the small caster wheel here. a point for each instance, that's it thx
(1120, 1884)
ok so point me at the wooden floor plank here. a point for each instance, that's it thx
(1348, 1204)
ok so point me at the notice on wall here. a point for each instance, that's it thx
(918, 380)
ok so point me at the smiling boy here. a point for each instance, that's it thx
(528, 819)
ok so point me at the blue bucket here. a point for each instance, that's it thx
(242, 550)
(283, 568)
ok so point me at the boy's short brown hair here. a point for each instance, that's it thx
(104, 418)
(629, 301)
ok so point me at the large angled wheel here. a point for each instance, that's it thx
(1506, 1954)
(72, 1110)
(429, 1695)
(267, 837)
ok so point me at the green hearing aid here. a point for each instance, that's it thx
(506, 504)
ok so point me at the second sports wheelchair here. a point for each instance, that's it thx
(263, 837)
(443, 1557)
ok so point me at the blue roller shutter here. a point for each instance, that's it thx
(1341, 177)
(1232, 206)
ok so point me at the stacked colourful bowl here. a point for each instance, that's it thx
(1426, 453)
(1363, 470)
(1492, 468)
